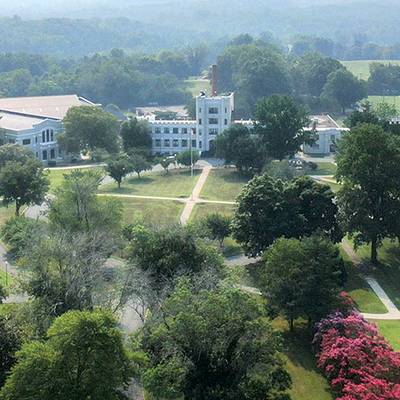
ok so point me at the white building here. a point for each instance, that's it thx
(35, 122)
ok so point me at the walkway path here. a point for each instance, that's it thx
(393, 312)
(194, 198)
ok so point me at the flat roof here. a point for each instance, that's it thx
(324, 121)
(18, 122)
(54, 107)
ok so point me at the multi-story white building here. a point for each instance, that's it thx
(35, 122)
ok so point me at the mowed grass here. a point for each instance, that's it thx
(308, 382)
(151, 212)
(56, 176)
(360, 68)
(325, 168)
(375, 100)
(387, 273)
(202, 210)
(197, 85)
(177, 183)
(223, 184)
(391, 331)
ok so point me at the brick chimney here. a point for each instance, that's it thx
(214, 80)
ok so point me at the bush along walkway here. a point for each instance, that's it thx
(393, 312)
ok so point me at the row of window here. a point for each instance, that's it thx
(157, 130)
(45, 154)
(169, 130)
(213, 110)
(175, 143)
(213, 121)
(47, 136)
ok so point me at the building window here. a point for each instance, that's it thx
(35, 139)
(213, 110)
(157, 130)
(12, 141)
(60, 152)
(47, 135)
(226, 110)
(52, 135)
(200, 132)
(175, 143)
(166, 143)
(166, 130)
(157, 142)
(226, 121)
(200, 121)
(194, 143)
(333, 138)
(213, 121)
(213, 131)
(199, 110)
(185, 131)
(43, 136)
(26, 141)
(44, 154)
(175, 130)
(52, 154)
(37, 155)
(184, 143)
(200, 144)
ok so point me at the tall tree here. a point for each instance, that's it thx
(14, 152)
(188, 158)
(139, 164)
(23, 182)
(292, 277)
(118, 168)
(88, 128)
(343, 87)
(280, 124)
(269, 209)
(218, 226)
(369, 168)
(83, 358)
(212, 345)
(136, 135)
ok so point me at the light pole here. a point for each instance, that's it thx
(6, 263)
(191, 152)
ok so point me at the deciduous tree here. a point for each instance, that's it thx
(118, 168)
(136, 135)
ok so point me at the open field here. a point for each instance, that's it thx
(374, 100)
(196, 85)
(201, 210)
(391, 331)
(177, 183)
(223, 184)
(56, 176)
(360, 68)
(325, 168)
(151, 212)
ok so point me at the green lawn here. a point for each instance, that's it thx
(177, 183)
(308, 382)
(201, 210)
(223, 184)
(391, 331)
(151, 212)
(56, 176)
(388, 271)
(374, 100)
(361, 68)
(325, 168)
(196, 85)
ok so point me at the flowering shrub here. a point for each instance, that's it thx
(358, 362)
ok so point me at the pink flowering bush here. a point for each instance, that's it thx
(358, 362)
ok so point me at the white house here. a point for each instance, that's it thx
(35, 122)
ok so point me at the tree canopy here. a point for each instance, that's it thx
(136, 136)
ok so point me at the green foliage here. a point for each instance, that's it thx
(285, 170)
(139, 164)
(14, 152)
(218, 226)
(384, 79)
(23, 182)
(78, 208)
(17, 233)
(166, 254)
(369, 170)
(136, 136)
(302, 278)
(213, 345)
(280, 124)
(239, 145)
(187, 158)
(269, 209)
(83, 358)
(343, 87)
(10, 342)
(118, 168)
(89, 128)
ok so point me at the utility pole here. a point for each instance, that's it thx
(191, 152)
(6, 263)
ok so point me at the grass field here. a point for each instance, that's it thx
(374, 100)
(361, 68)
(56, 176)
(177, 183)
(325, 168)
(201, 210)
(308, 382)
(387, 272)
(151, 212)
(223, 184)
(196, 85)
(391, 331)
